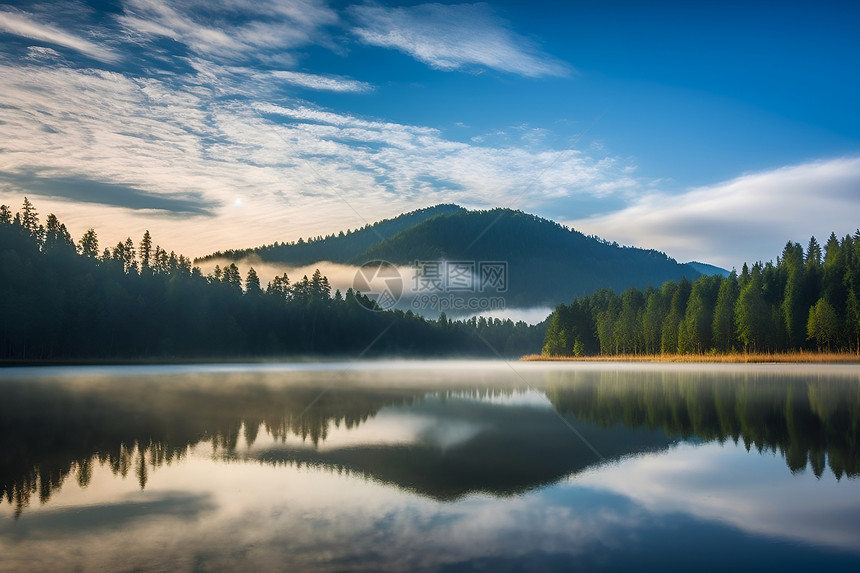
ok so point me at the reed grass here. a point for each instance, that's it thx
(800, 357)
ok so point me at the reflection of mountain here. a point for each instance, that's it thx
(447, 435)
(504, 450)
(812, 419)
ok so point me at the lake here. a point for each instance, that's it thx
(430, 466)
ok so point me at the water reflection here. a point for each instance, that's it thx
(809, 418)
(451, 466)
(443, 432)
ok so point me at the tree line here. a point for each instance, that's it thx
(807, 300)
(67, 300)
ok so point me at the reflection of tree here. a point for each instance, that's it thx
(55, 430)
(50, 430)
(809, 420)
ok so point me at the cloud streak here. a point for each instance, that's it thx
(86, 190)
(323, 83)
(19, 24)
(454, 37)
(213, 29)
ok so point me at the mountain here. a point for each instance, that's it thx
(547, 263)
(708, 270)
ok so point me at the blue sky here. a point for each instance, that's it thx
(711, 131)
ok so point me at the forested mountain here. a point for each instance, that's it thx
(547, 263)
(806, 300)
(65, 301)
(340, 248)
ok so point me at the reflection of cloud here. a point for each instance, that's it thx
(95, 520)
(693, 480)
(271, 519)
(21, 25)
(745, 219)
(530, 398)
(393, 426)
(451, 37)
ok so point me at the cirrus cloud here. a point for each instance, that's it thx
(20, 24)
(454, 37)
(323, 83)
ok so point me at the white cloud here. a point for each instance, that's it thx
(746, 219)
(323, 83)
(20, 24)
(212, 30)
(452, 37)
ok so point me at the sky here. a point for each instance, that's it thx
(711, 131)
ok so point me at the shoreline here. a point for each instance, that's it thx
(803, 357)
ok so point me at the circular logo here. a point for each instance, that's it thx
(380, 282)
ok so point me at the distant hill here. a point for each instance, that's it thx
(708, 270)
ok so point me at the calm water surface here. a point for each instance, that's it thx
(437, 466)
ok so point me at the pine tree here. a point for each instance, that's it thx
(556, 341)
(793, 308)
(279, 287)
(232, 277)
(751, 314)
(677, 310)
(652, 322)
(699, 316)
(159, 261)
(130, 261)
(146, 251)
(56, 235)
(30, 218)
(252, 283)
(723, 329)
